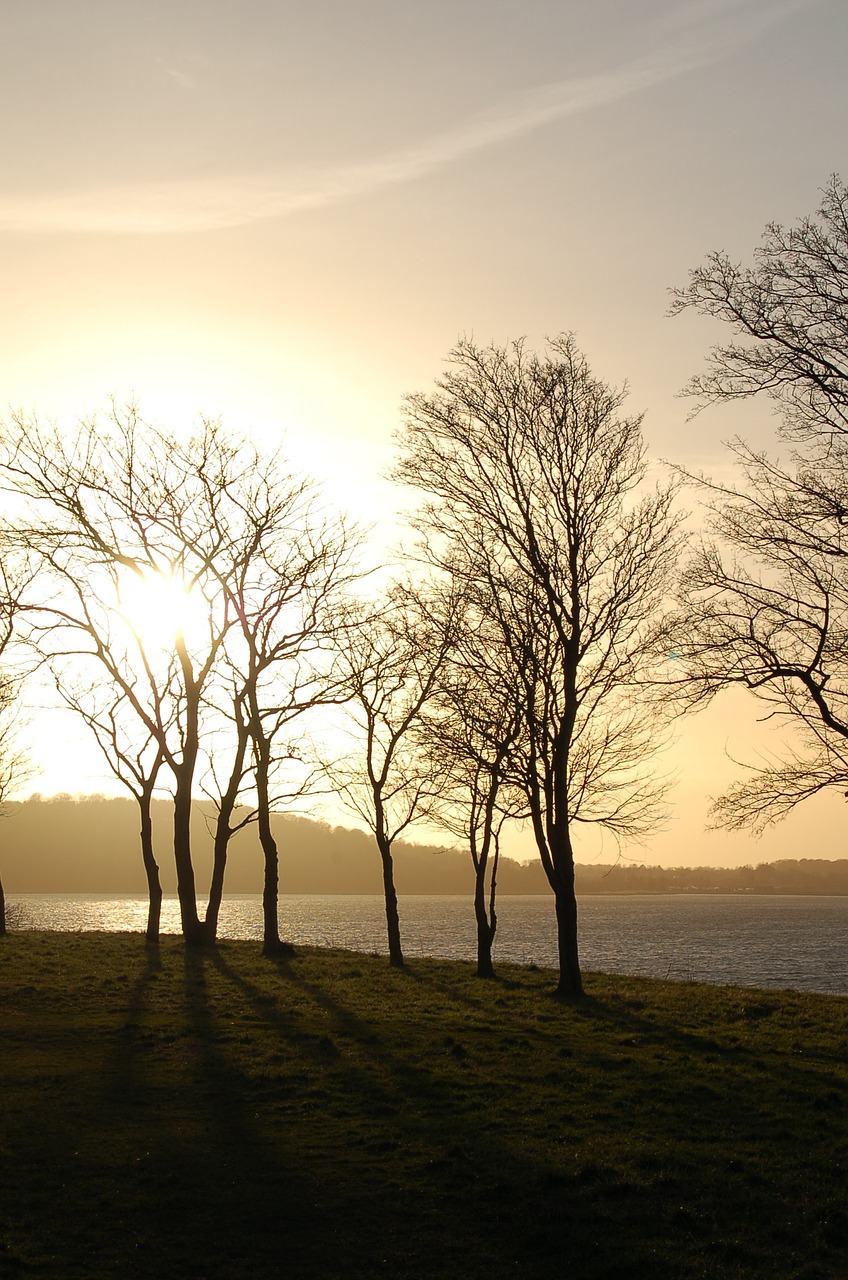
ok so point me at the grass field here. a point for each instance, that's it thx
(218, 1115)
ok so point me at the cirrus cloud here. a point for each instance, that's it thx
(711, 29)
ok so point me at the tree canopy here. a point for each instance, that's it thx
(537, 503)
(764, 598)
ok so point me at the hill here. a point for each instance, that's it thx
(90, 845)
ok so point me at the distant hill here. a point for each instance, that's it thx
(790, 875)
(90, 845)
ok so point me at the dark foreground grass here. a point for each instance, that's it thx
(221, 1116)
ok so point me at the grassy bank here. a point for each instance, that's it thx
(220, 1116)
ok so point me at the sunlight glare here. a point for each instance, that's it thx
(159, 608)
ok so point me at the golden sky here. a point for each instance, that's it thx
(286, 214)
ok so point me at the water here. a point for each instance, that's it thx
(795, 942)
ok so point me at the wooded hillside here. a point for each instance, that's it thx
(90, 845)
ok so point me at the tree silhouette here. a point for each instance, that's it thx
(124, 503)
(764, 600)
(390, 658)
(533, 474)
(284, 591)
(791, 320)
(135, 760)
(15, 577)
(99, 517)
(471, 730)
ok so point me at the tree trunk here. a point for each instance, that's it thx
(486, 926)
(224, 832)
(2, 911)
(390, 894)
(570, 982)
(271, 944)
(223, 835)
(151, 869)
(487, 920)
(555, 850)
(216, 884)
(194, 931)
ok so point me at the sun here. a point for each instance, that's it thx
(160, 608)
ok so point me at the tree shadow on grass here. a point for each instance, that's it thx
(424, 1187)
(428, 1187)
(151, 1157)
(261, 1120)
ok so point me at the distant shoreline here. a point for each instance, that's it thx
(93, 841)
(457, 893)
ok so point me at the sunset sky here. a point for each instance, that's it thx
(286, 214)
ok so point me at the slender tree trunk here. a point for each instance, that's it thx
(194, 931)
(485, 927)
(487, 920)
(223, 835)
(272, 943)
(224, 831)
(151, 869)
(554, 844)
(216, 884)
(390, 894)
(2, 911)
(570, 981)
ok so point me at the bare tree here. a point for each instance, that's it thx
(133, 758)
(96, 515)
(283, 677)
(124, 503)
(282, 585)
(15, 576)
(223, 785)
(764, 600)
(764, 605)
(472, 730)
(389, 660)
(789, 310)
(532, 470)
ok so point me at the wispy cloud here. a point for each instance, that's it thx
(703, 31)
(181, 78)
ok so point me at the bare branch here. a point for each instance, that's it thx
(537, 503)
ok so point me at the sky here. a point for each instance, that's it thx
(286, 214)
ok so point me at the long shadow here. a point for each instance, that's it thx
(416, 1128)
(255, 1201)
(164, 1165)
(586, 1008)
(316, 1047)
(340, 1150)
(121, 1073)
(406, 1128)
(521, 1215)
(595, 1212)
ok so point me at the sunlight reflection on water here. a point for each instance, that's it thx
(722, 938)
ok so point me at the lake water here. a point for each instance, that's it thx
(723, 938)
